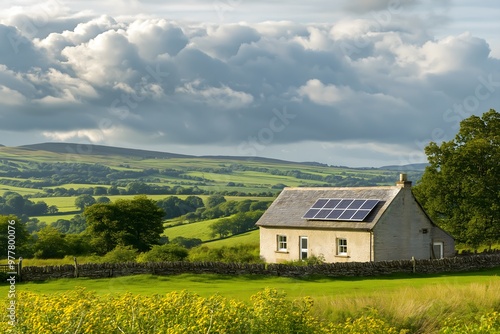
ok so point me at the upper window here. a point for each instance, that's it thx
(282, 244)
(341, 246)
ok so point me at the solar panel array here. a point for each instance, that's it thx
(341, 209)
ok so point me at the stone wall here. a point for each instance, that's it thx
(92, 270)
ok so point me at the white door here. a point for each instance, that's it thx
(303, 248)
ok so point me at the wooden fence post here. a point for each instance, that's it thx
(414, 264)
(76, 267)
(20, 268)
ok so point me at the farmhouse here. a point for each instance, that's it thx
(359, 224)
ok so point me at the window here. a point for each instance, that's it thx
(341, 246)
(282, 246)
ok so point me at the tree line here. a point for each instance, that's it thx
(102, 227)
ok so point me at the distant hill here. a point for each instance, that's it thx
(65, 148)
(2, 145)
(414, 167)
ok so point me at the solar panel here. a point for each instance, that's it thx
(356, 204)
(360, 215)
(369, 204)
(311, 213)
(320, 203)
(344, 203)
(322, 213)
(335, 214)
(341, 209)
(332, 203)
(347, 214)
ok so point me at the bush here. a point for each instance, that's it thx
(120, 254)
(167, 252)
(186, 242)
(245, 253)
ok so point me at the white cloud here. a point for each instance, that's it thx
(105, 59)
(92, 135)
(217, 97)
(327, 95)
(10, 97)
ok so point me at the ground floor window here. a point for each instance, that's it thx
(341, 246)
(282, 244)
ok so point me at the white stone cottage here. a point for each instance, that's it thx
(359, 224)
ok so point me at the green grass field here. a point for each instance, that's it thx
(251, 237)
(421, 303)
(242, 287)
(200, 230)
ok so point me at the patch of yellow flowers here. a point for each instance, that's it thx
(182, 312)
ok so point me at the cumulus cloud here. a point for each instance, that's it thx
(157, 81)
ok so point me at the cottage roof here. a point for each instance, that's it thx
(292, 203)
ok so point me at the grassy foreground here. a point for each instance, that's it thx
(420, 304)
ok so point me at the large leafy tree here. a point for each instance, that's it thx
(20, 245)
(82, 201)
(461, 187)
(137, 223)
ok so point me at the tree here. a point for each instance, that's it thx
(50, 244)
(222, 228)
(137, 187)
(215, 200)
(460, 188)
(98, 191)
(15, 203)
(82, 201)
(137, 222)
(103, 199)
(52, 209)
(11, 228)
(186, 242)
(113, 190)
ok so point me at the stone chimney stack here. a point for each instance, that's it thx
(403, 181)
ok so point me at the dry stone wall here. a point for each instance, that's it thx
(354, 269)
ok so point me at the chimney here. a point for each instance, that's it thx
(403, 181)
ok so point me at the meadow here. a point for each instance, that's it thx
(419, 304)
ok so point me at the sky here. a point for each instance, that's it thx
(359, 83)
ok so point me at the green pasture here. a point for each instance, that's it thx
(53, 218)
(78, 186)
(200, 230)
(243, 286)
(251, 237)
(21, 191)
(253, 178)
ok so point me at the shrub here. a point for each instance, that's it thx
(120, 254)
(245, 253)
(167, 252)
